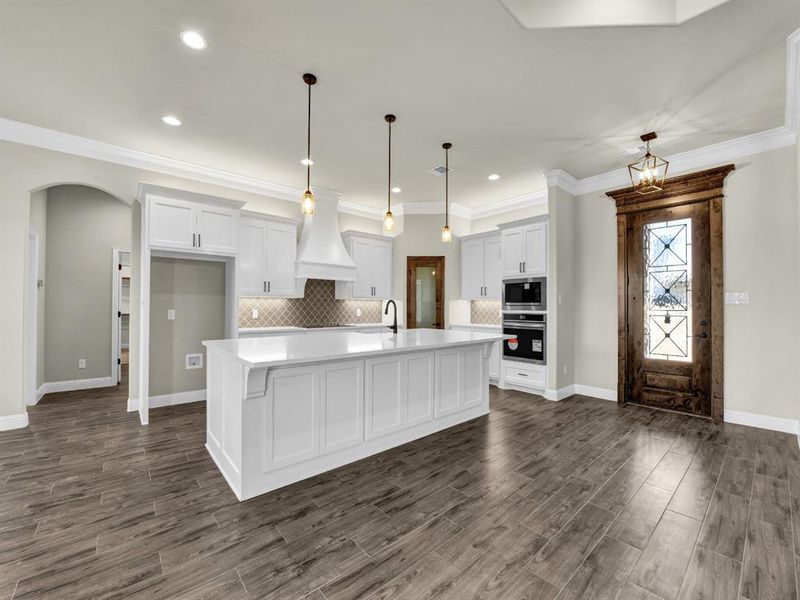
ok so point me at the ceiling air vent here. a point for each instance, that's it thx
(439, 170)
(633, 150)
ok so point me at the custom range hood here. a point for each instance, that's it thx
(321, 253)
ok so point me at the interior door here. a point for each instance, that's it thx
(669, 308)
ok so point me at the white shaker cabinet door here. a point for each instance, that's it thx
(363, 257)
(292, 430)
(252, 259)
(217, 230)
(342, 411)
(382, 270)
(281, 247)
(472, 275)
(384, 396)
(171, 224)
(420, 387)
(492, 268)
(513, 248)
(535, 261)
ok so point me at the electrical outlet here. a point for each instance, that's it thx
(737, 297)
(358, 312)
(81, 363)
(170, 314)
(194, 361)
(254, 313)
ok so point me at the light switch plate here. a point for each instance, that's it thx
(171, 314)
(737, 297)
(194, 361)
(81, 363)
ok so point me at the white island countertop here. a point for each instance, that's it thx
(279, 350)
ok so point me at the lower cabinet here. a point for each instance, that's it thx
(292, 410)
(459, 379)
(525, 374)
(399, 393)
(342, 405)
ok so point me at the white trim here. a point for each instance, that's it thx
(792, 105)
(525, 200)
(560, 393)
(77, 384)
(32, 318)
(177, 398)
(14, 421)
(430, 208)
(562, 179)
(133, 404)
(40, 391)
(596, 392)
(361, 210)
(762, 421)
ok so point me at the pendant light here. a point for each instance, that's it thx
(446, 235)
(307, 204)
(388, 219)
(649, 172)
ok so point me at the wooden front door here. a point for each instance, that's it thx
(669, 308)
(670, 294)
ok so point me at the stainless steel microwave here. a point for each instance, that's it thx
(529, 293)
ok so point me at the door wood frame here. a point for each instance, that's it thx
(702, 186)
(437, 263)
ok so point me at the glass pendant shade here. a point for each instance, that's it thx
(308, 202)
(446, 235)
(649, 172)
(388, 221)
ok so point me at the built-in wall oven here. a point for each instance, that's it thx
(529, 341)
(529, 293)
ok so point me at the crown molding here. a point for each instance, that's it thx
(792, 109)
(50, 139)
(562, 179)
(360, 210)
(510, 204)
(431, 208)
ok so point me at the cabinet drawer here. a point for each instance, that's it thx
(524, 374)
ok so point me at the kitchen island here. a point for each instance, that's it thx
(281, 409)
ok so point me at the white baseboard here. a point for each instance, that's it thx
(76, 384)
(39, 393)
(761, 421)
(14, 421)
(133, 404)
(596, 392)
(178, 398)
(560, 393)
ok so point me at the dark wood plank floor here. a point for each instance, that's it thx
(571, 500)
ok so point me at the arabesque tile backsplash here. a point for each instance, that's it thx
(485, 312)
(317, 307)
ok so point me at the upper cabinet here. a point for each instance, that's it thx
(372, 255)
(524, 249)
(267, 254)
(481, 266)
(188, 226)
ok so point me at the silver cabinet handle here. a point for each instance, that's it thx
(198, 240)
(522, 374)
(269, 286)
(524, 267)
(265, 286)
(194, 240)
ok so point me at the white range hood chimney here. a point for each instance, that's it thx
(321, 253)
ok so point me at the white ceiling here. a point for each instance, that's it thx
(513, 101)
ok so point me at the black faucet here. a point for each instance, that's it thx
(393, 327)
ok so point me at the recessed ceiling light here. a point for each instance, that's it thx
(194, 40)
(396, 190)
(494, 177)
(307, 162)
(171, 120)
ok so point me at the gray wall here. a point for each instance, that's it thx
(196, 290)
(83, 226)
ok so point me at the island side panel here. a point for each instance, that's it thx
(225, 390)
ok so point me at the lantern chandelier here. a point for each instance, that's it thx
(649, 172)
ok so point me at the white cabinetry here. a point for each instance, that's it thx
(481, 267)
(493, 365)
(372, 255)
(399, 393)
(459, 377)
(267, 254)
(176, 224)
(524, 249)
